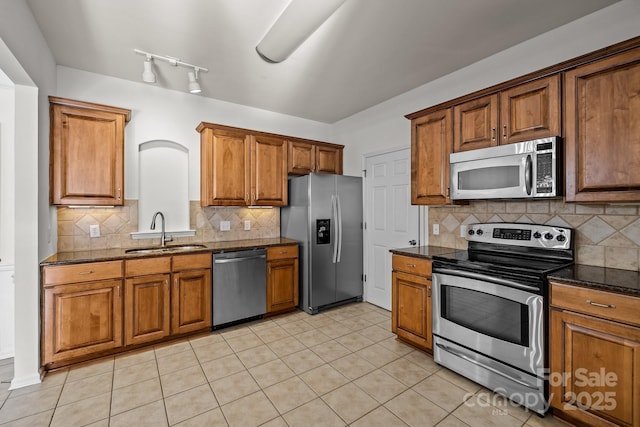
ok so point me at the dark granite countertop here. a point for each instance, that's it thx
(423, 251)
(605, 279)
(119, 253)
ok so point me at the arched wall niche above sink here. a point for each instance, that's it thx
(163, 186)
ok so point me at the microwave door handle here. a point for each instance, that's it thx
(528, 175)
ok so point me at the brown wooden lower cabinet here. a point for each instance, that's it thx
(191, 301)
(594, 360)
(81, 318)
(411, 300)
(88, 310)
(282, 278)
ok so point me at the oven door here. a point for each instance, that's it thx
(496, 317)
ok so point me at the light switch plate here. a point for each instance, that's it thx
(247, 224)
(225, 226)
(436, 229)
(463, 230)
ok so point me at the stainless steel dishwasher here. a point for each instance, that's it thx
(239, 285)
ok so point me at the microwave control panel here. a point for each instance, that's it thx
(545, 163)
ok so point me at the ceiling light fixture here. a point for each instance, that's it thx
(194, 86)
(298, 21)
(148, 76)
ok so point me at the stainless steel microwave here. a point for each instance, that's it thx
(530, 169)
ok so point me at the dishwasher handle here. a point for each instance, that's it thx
(239, 259)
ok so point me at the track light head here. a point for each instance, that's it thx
(148, 76)
(194, 86)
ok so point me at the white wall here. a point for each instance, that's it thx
(27, 62)
(384, 125)
(160, 114)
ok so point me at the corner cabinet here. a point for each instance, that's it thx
(411, 300)
(241, 169)
(82, 310)
(602, 130)
(594, 356)
(431, 144)
(86, 153)
(282, 278)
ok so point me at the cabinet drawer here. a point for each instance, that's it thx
(607, 305)
(281, 252)
(146, 266)
(412, 265)
(191, 262)
(86, 272)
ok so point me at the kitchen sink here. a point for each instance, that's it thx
(170, 248)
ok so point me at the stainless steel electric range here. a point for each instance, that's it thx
(490, 307)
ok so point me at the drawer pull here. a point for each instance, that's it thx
(597, 304)
(84, 273)
(283, 252)
(411, 265)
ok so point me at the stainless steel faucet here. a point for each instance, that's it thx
(163, 236)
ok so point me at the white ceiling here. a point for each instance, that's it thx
(367, 52)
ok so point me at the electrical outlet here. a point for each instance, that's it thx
(225, 226)
(247, 224)
(463, 230)
(94, 230)
(436, 229)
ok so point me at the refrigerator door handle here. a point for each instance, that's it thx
(334, 219)
(339, 226)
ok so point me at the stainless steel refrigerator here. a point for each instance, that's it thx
(325, 216)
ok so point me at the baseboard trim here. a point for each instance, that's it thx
(26, 381)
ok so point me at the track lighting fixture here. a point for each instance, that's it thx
(148, 76)
(194, 86)
(298, 21)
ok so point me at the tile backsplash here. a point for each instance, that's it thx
(117, 223)
(606, 235)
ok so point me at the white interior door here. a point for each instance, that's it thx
(391, 220)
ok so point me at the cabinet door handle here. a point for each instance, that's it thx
(118, 288)
(504, 132)
(119, 193)
(597, 304)
(429, 291)
(493, 134)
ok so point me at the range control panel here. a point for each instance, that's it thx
(516, 234)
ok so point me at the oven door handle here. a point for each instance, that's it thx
(485, 278)
(482, 365)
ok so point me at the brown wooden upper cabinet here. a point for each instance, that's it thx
(87, 153)
(309, 157)
(602, 130)
(431, 144)
(241, 169)
(524, 112)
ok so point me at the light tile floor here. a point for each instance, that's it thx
(340, 367)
